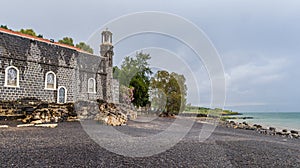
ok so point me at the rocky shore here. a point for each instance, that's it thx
(262, 130)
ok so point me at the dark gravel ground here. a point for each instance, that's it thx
(69, 145)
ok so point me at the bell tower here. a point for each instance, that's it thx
(106, 47)
(106, 51)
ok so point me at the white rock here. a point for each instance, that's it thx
(25, 125)
(37, 122)
(3, 126)
(47, 125)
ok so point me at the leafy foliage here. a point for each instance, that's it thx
(67, 41)
(85, 47)
(135, 73)
(140, 83)
(4, 27)
(169, 89)
(28, 32)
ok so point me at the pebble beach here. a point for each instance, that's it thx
(68, 145)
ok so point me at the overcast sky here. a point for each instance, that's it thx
(258, 41)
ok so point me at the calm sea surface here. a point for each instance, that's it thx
(280, 120)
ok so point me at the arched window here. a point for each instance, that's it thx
(50, 81)
(61, 94)
(11, 77)
(91, 85)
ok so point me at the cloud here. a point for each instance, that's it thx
(239, 104)
(262, 70)
(252, 78)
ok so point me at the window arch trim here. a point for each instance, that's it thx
(6, 77)
(65, 95)
(94, 85)
(54, 80)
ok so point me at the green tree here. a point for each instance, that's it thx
(135, 72)
(170, 90)
(140, 82)
(85, 47)
(67, 41)
(28, 32)
(4, 27)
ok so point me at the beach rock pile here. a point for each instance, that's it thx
(31, 110)
(262, 130)
(104, 112)
(86, 110)
(49, 112)
(110, 114)
(128, 110)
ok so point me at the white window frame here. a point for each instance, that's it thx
(65, 94)
(94, 82)
(50, 72)
(5, 77)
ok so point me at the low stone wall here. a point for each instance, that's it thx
(33, 110)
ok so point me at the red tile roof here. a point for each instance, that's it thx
(40, 39)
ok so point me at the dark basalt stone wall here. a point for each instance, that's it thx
(35, 58)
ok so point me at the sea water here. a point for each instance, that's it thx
(279, 120)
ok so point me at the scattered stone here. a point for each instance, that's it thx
(272, 129)
(294, 132)
(47, 125)
(258, 126)
(262, 131)
(295, 135)
(25, 125)
(245, 123)
(70, 119)
(3, 126)
(36, 122)
(164, 114)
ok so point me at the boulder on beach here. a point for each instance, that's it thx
(272, 129)
(294, 132)
(257, 126)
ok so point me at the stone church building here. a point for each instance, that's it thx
(32, 67)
